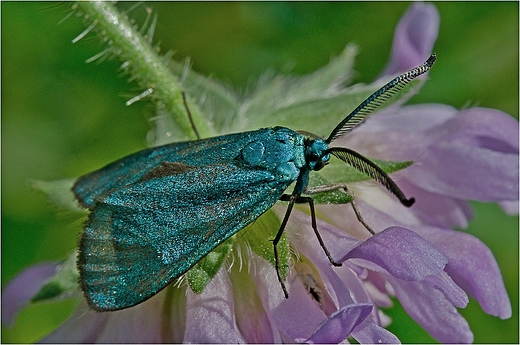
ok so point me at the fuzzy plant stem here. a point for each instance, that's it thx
(142, 62)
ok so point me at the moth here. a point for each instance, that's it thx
(154, 214)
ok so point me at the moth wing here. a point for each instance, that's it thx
(141, 237)
(130, 169)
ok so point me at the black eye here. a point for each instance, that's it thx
(312, 157)
(319, 165)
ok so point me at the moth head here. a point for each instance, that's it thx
(316, 154)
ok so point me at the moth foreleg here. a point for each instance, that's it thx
(307, 200)
(337, 186)
(310, 201)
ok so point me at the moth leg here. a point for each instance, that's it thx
(307, 200)
(291, 199)
(310, 201)
(328, 188)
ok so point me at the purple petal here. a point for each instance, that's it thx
(413, 38)
(453, 293)
(297, 316)
(337, 288)
(370, 330)
(468, 155)
(140, 324)
(335, 240)
(370, 333)
(429, 307)
(84, 326)
(316, 286)
(355, 285)
(399, 133)
(401, 252)
(376, 287)
(482, 127)
(210, 316)
(408, 119)
(467, 172)
(510, 207)
(340, 324)
(437, 209)
(472, 266)
(252, 313)
(23, 287)
(472, 156)
(143, 323)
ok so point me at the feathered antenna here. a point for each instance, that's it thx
(369, 168)
(356, 117)
(378, 98)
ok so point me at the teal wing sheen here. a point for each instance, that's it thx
(217, 150)
(141, 236)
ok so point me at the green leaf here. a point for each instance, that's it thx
(265, 106)
(217, 101)
(62, 284)
(391, 166)
(339, 172)
(201, 274)
(59, 193)
(259, 236)
(330, 78)
(321, 115)
(332, 197)
(308, 100)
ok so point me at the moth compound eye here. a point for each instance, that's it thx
(320, 164)
(313, 157)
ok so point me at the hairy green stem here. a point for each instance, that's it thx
(142, 61)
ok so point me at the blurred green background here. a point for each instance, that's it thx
(62, 118)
